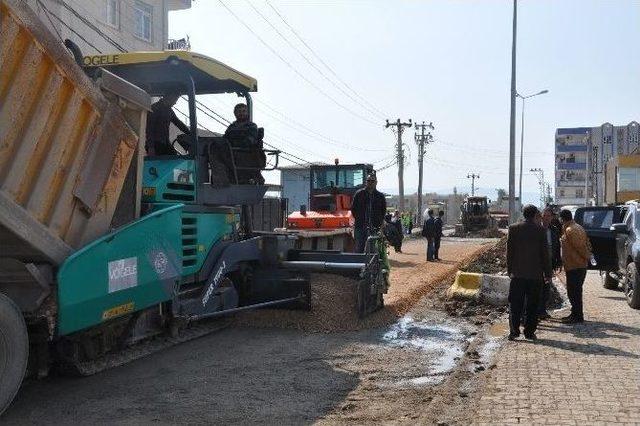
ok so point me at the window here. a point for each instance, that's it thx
(341, 178)
(594, 219)
(112, 11)
(142, 20)
(628, 179)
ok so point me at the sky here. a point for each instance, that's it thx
(446, 62)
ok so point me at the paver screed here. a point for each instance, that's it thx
(574, 374)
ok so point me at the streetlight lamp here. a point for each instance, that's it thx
(542, 92)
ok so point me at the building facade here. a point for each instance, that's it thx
(581, 154)
(107, 26)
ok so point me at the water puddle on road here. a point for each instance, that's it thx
(442, 343)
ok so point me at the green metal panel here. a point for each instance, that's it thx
(135, 267)
(200, 231)
(170, 180)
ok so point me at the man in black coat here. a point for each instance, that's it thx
(528, 266)
(438, 235)
(368, 208)
(553, 230)
(429, 232)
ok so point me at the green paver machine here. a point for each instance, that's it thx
(109, 255)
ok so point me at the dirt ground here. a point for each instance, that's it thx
(418, 364)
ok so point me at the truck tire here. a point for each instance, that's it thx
(14, 350)
(608, 282)
(631, 286)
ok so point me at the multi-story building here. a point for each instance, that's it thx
(581, 154)
(105, 26)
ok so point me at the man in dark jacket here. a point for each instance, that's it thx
(528, 266)
(552, 230)
(429, 232)
(368, 208)
(438, 235)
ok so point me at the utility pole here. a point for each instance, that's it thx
(399, 128)
(512, 124)
(421, 140)
(473, 178)
(543, 186)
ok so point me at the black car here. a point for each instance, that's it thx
(614, 232)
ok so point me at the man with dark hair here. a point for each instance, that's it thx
(244, 136)
(429, 232)
(576, 252)
(158, 121)
(438, 235)
(527, 265)
(552, 229)
(368, 208)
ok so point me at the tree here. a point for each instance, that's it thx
(501, 193)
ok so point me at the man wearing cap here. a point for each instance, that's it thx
(368, 208)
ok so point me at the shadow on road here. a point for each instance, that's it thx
(593, 329)
(588, 348)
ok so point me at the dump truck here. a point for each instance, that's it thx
(327, 222)
(109, 254)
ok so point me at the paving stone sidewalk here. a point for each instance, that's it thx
(574, 374)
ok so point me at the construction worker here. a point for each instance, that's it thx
(244, 136)
(241, 112)
(368, 208)
(158, 121)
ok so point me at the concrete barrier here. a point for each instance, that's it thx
(490, 289)
(495, 290)
(466, 285)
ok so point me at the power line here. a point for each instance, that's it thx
(307, 60)
(295, 70)
(319, 58)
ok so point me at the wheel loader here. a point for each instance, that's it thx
(108, 254)
(327, 222)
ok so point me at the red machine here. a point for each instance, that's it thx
(328, 223)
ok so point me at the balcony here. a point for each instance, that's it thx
(180, 44)
(571, 148)
(571, 166)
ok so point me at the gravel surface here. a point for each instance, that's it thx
(418, 369)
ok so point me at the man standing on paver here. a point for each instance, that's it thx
(527, 265)
(576, 252)
(429, 232)
(368, 208)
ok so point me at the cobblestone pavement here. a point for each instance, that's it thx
(574, 374)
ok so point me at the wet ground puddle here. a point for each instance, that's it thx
(442, 345)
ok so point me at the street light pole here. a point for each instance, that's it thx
(512, 124)
(542, 92)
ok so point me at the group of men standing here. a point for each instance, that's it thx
(536, 248)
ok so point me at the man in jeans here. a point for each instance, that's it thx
(438, 235)
(527, 265)
(429, 232)
(576, 252)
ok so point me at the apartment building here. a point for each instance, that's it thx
(101, 26)
(581, 154)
